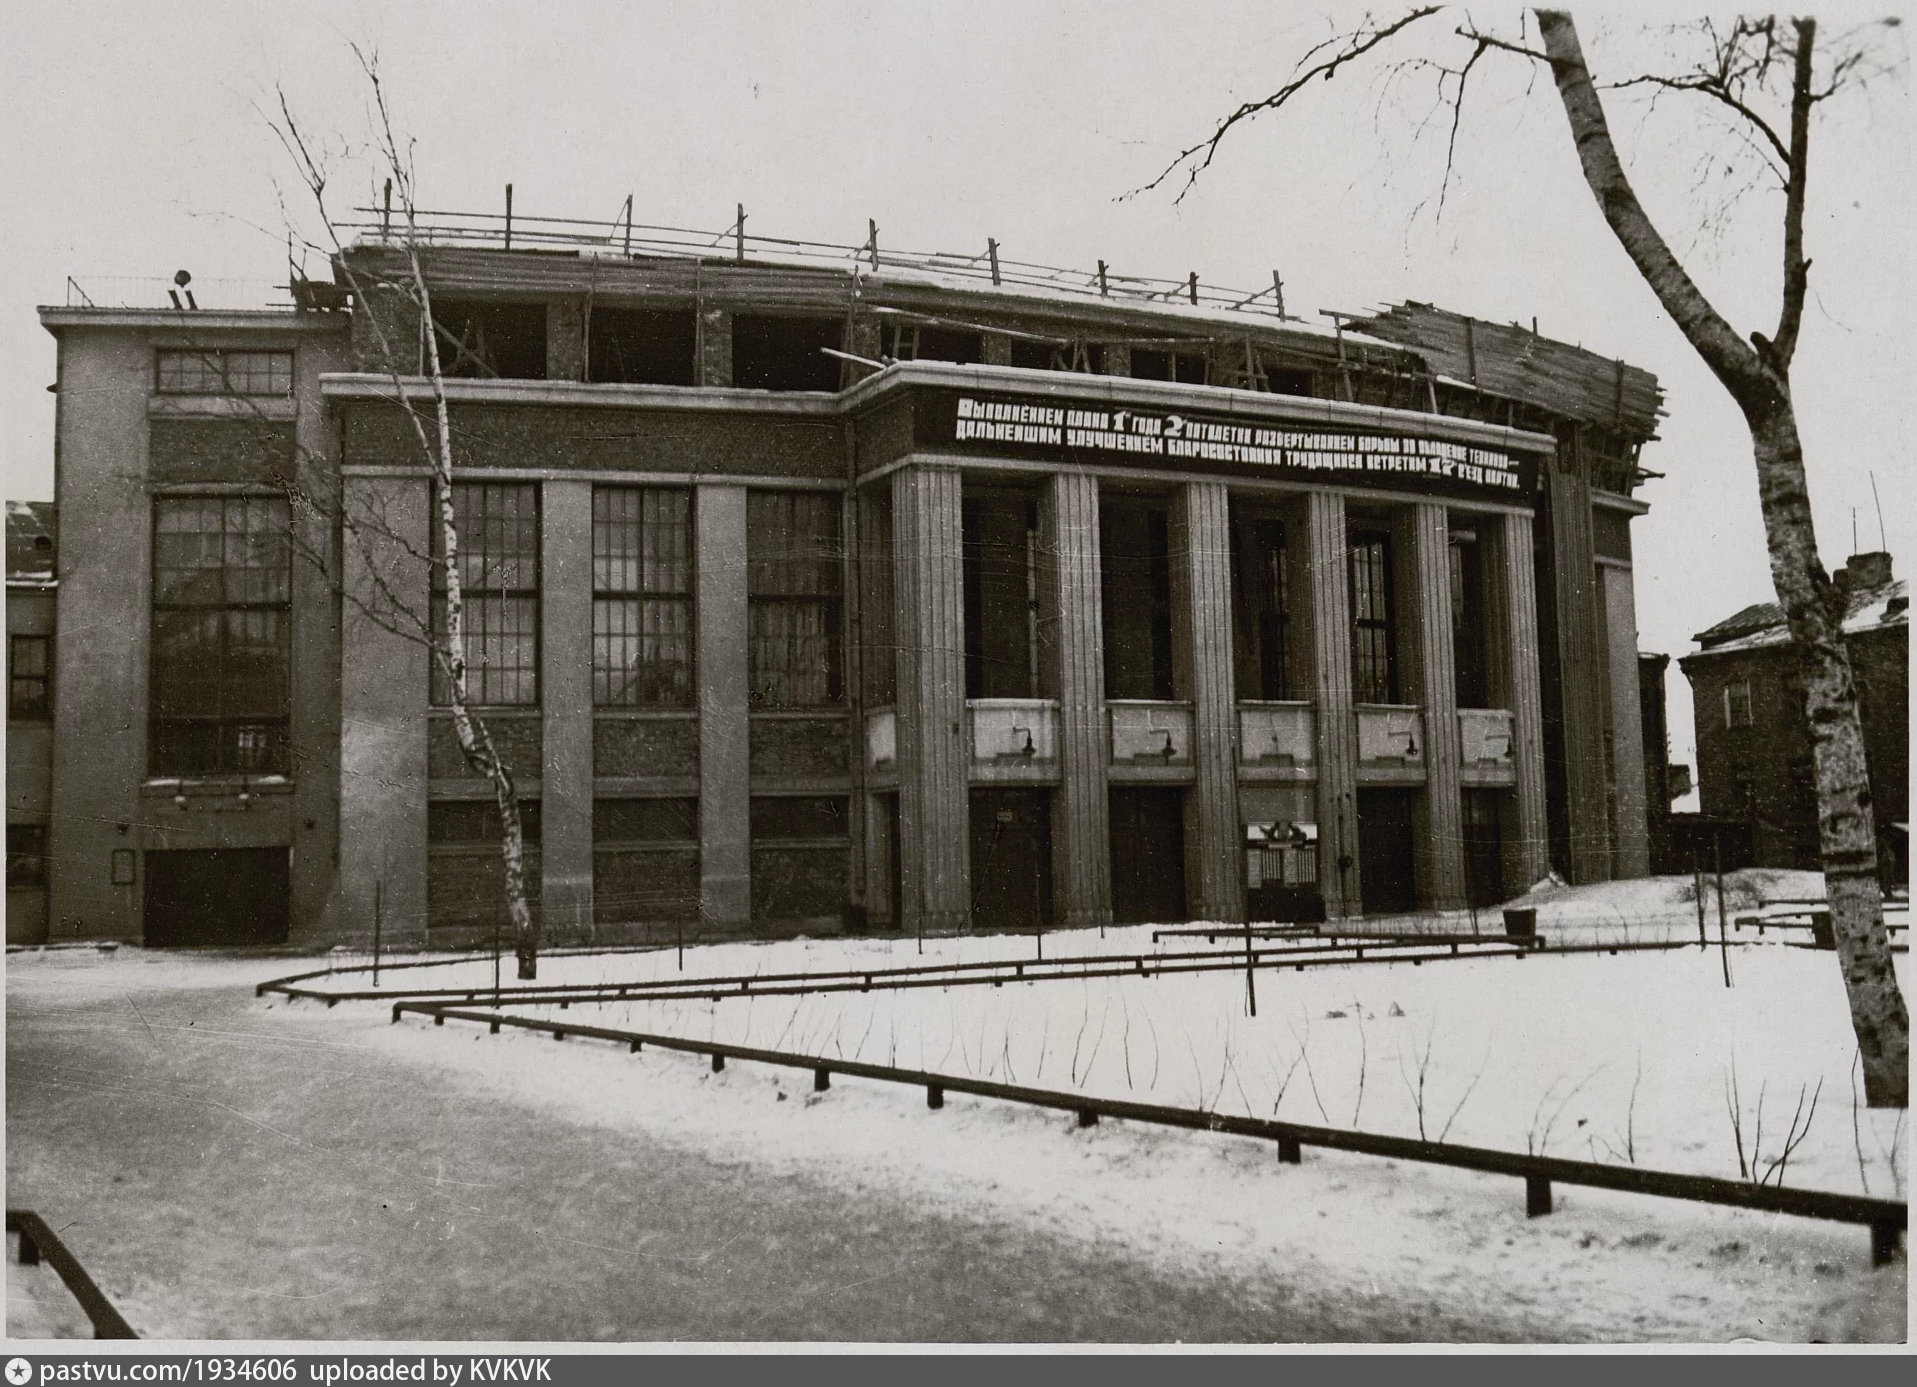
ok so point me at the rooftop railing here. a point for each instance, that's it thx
(622, 236)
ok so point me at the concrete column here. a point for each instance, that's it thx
(934, 818)
(997, 349)
(1118, 359)
(1072, 606)
(1424, 568)
(719, 635)
(1631, 856)
(1326, 612)
(383, 714)
(1581, 682)
(566, 339)
(565, 697)
(1200, 534)
(1511, 616)
(715, 347)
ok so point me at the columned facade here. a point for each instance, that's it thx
(719, 662)
(1438, 822)
(1070, 604)
(565, 682)
(930, 631)
(1327, 609)
(1511, 620)
(1200, 533)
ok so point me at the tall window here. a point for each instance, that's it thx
(642, 597)
(222, 589)
(793, 586)
(498, 527)
(1374, 664)
(1260, 592)
(1737, 704)
(28, 662)
(1467, 623)
(223, 373)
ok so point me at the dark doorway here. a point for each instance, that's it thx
(1483, 848)
(229, 896)
(1011, 859)
(1386, 881)
(1148, 855)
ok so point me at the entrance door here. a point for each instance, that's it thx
(229, 896)
(1483, 849)
(1011, 859)
(1148, 856)
(1387, 883)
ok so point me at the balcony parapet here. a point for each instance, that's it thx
(1277, 741)
(1014, 739)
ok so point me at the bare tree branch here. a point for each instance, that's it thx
(1356, 45)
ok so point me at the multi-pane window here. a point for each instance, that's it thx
(641, 596)
(1265, 606)
(793, 585)
(193, 372)
(1467, 624)
(28, 662)
(222, 589)
(1737, 704)
(498, 536)
(1374, 665)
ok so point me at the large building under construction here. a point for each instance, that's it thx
(828, 589)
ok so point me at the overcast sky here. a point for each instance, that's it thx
(136, 146)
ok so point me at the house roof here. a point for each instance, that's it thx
(1879, 600)
(30, 532)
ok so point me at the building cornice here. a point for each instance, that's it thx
(353, 385)
(1225, 401)
(56, 319)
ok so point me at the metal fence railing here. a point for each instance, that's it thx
(1886, 1219)
(40, 1243)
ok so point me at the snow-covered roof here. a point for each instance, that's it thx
(30, 529)
(1881, 601)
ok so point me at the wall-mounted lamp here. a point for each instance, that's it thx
(179, 800)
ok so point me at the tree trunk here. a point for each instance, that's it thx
(475, 740)
(1758, 379)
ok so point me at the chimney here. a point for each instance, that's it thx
(1866, 572)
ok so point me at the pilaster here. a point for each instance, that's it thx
(1072, 605)
(1327, 612)
(934, 833)
(565, 691)
(383, 712)
(719, 633)
(1511, 615)
(1200, 534)
(1424, 534)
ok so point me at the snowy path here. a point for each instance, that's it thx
(231, 1167)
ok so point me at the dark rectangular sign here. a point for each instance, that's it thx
(1098, 433)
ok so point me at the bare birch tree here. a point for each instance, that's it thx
(417, 378)
(1746, 69)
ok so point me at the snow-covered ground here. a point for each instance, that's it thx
(1634, 1057)
(1598, 1056)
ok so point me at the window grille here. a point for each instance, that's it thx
(642, 597)
(793, 575)
(1373, 634)
(223, 373)
(28, 666)
(221, 626)
(498, 535)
